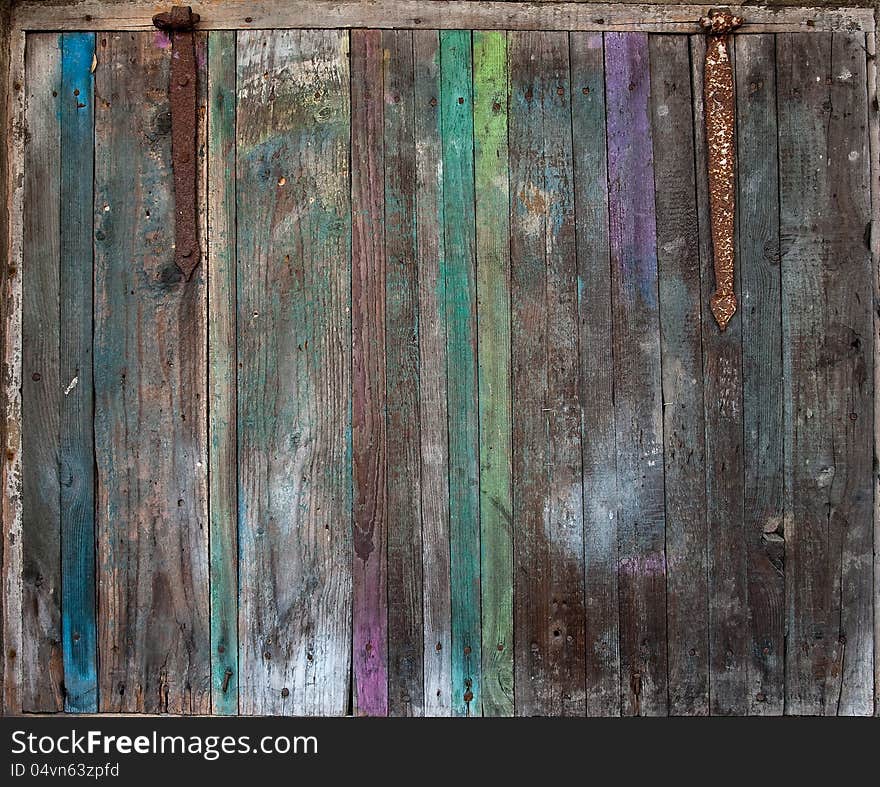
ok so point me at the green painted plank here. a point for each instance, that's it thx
(42, 667)
(432, 375)
(223, 472)
(597, 376)
(547, 475)
(459, 271)
(493, 334)
(294, 328)
(77, 462)
(150, 400)
(405, 631)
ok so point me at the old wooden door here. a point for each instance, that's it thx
(442, 423)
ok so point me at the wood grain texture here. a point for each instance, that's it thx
(681, 359)
(222, 442)
(369, 439)
(294, 443)
(430, 14)
(729, 637)
(405, 645)
(758, 259)
(547, 484)
(434, 448)
(459, 272)
(77, 458)
(637, 377)
(828, 374)
(493, 341)
(150, 395)
(42, 688)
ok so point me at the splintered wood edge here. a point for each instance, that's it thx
(33, 15)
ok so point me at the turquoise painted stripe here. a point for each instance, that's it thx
(459, 273)
(79, 640)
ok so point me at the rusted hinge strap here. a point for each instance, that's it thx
(719, 99)
(179, 24)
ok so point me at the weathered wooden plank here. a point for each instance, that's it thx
(294, 440)
(597, 378)
(432, 376)
(547, 483)
(459, 272)
(150, 394)
(758, 259)
(77, 458)
(729, 637)
(405, 645)
(827, 372)
(444, 14)
(12, 178)
(681, 360)
(637, 377)
(369, 438)
(42, 687)
(222, 443)
(493, 342)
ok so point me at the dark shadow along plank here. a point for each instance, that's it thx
(597, 376)
(729, 637)
(223, 474)
(637, 377)
(758, 259)
(150, 395)
(493, 326)
(459, 271)
(42, 688)
(827, 372)
(77, 463)
(405, 648)
(369, 442)
(547, 483)
(292, 207)
(684, 454)
(434, 449)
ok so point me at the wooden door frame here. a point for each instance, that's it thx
(19, 17)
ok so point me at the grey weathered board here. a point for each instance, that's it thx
(473, 441)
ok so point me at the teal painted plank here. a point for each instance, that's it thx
(459, 270)
(493, 323)
(77, 437)
(223, 473)
(42, 666)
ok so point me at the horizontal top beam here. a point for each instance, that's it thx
(432, 14)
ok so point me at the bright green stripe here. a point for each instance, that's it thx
(461, 366)
(493, 319)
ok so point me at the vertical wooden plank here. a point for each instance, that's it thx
(758, 259)
(150, 397)
(729, 648)
(405, 646)
(827, 371)
(597, 378)
(684, 452)
(547, 478)
(13, 179)
(42, 688)
(493, 342)
(637, 377)
(459, 271)
(77, 459)
(223, 471)
(369, 440)
(432, 375)
(294, 443)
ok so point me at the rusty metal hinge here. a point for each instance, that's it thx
(179, 23)
(719, 100)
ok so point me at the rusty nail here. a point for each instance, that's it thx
(227, 676)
